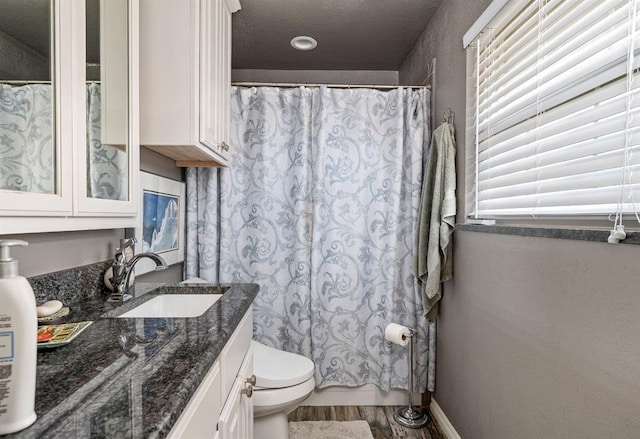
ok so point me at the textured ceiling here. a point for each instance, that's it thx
(351, 34)
(27, 22)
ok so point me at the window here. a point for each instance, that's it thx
(554, 109)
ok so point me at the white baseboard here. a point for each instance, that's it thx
(368, 394)
(443, 422)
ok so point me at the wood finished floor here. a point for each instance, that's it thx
(380, 420)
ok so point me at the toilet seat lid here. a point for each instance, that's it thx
(275, 369)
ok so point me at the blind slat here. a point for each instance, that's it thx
(567, 198)
(545, 182)
(571, 156)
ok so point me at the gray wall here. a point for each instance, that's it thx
(540, 338)
(49, 252)
(371, 77)
(20, 62)
(537, 337)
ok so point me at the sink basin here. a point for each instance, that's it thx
(173, 306)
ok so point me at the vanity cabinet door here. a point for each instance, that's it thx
(246, 399)
(230, 421)
(236, 419)
(198, 418)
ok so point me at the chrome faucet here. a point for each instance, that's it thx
(122, 268)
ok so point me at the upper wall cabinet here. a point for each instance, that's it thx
(69, 143)
(185, 63)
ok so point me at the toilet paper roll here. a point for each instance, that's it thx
(397, 334)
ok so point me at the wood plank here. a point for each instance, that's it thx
(381, 433)
(375, 416)
(327, 413)
(299, 414)
(433, 428)
(399, 430)
(347, 413)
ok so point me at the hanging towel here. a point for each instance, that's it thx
(433, 262)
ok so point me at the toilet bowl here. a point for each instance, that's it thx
(283, 381)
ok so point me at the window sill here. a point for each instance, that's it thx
(633, 237)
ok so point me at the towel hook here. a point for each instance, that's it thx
(448, 116)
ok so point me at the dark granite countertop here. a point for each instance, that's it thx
(131, 378)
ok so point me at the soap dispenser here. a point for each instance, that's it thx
(18, 345)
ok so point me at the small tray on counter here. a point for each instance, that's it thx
(53, 336)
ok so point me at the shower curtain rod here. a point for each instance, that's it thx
(291, 85)
(27, 82)
(22, 81)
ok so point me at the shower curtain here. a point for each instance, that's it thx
(318, 207)
(107, 171)
(27, 144)
(26, 138)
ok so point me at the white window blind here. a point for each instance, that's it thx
(555, 110)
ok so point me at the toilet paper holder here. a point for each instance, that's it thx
(411, 416)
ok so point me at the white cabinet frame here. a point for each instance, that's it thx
(69, 208)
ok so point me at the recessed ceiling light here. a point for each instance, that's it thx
(303, 42)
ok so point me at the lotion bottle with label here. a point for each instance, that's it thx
(18, 345)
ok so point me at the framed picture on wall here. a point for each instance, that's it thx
(160, 220)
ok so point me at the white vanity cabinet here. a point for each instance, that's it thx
(77, 168)
(185, 63)
(222, 406)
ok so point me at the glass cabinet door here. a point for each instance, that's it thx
(107, 176)
(33, 162)
(107, 100)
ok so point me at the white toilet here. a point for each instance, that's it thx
(283, 381)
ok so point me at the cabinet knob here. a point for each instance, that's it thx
(251, 380)
(223, 146)
(247, 391)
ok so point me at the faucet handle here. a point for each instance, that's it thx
(122, 255)
(126, 243)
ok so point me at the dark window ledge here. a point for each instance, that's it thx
(633, 237)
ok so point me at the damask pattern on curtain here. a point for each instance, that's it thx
(27, 144)
(263, 204)
(26, 138)
(318, 207)
(107, 171)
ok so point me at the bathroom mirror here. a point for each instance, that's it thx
(107, 94)
(27, 98)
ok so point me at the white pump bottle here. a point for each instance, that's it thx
(18, 345)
